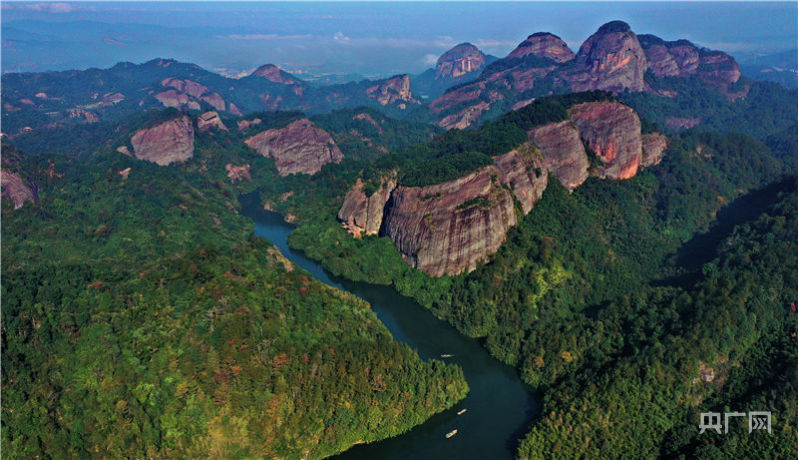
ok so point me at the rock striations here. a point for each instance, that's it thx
(300, 147)
(166, 143)
(612, 131)
(449, 228)
(459, 61)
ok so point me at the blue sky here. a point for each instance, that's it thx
(365, 38)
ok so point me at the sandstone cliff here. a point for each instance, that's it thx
(611, 59)
(562, 151)
(394, 90)
(183, 93)
(612, 131)
(275, 75)
(545, 45)
(17, 189)
(450, 227)
(363, 214)
(654, 146)
(14, 183)
(683, 59)
(300, 147)
(459, 61)
(165, 143)
(209, 120)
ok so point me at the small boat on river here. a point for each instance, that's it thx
(462, 411)
(451, 433)
(446, 356)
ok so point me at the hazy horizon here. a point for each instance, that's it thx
(369, 39)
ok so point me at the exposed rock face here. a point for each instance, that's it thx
(363, 214)
(669, 59)
(563, 152)
(611, 59)
(718, 67)
(459, 61)
(450, 227)
(17, 189)
(545, 45)
(209, 120)
(612, 131)
(654, 146)
(187, 93)
(522, 170)
(275, 75)
(237, 173)
(393, 90)
(176, 99)
(15, 185)
(683, 59)
(447, 228)
(298, 148)
(166, 143)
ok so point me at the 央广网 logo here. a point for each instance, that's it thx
(757, 420)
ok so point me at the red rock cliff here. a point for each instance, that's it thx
(611, 59)
(300, 147)
(562, 151)
(166, 143)
(543, 44)
(461, 60)
(450, 227)
(363, 214)
(612, 131)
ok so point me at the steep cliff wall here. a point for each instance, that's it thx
(612, 131)
(363, 214)
(166, 143)
(300, 147)
(450, 227)
(562, 151)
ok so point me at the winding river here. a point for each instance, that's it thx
(499, 406)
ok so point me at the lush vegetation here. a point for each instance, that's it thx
(767, 107)
(141, 319)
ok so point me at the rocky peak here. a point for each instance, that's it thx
(682, 58)
(168, 142)
(461, 60)
(274, 74)
(300, 147)
(209, 120)
(392, 90)
(611, 59)
(544, 45)
(614, 27)
(188, 94)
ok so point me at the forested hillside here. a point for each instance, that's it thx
(141, 319)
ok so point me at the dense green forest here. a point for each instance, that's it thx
(141, 319)
(766, 108)
(610, 300)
